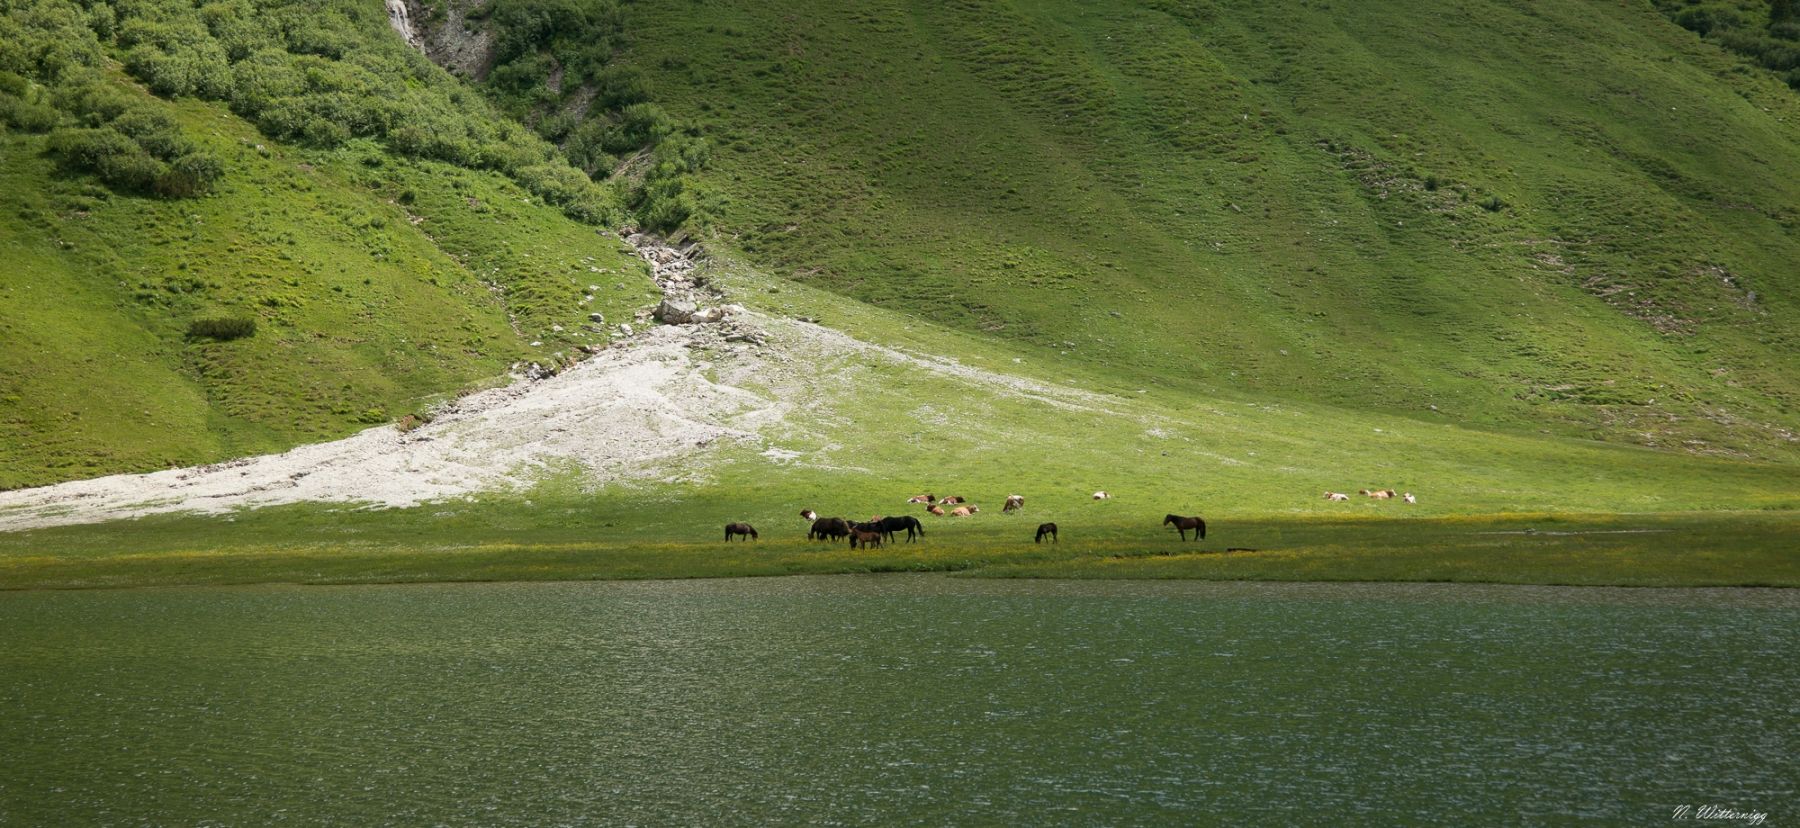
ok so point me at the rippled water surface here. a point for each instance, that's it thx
(895, 699)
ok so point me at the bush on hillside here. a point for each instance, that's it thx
(109, 154)
(222, 328)
(191, 175)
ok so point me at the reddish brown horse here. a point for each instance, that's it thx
(739, 529)
(1182, 524)
(867, 538)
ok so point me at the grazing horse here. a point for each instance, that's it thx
(1045, 529)
(891, 525)
(1408, 497)
(936, 510)
(1182, 524)
(924, 498)
(954, 499)
(739, 529)
(868, 538)
(1013, 502)
(1336, 496)
(1102, 496)
(828, 529)
(808, 514)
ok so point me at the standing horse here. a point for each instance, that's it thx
(1045, 529)
(890, 525)
(868, 538)
(1182, 524)
(828, 529)
(739, 529)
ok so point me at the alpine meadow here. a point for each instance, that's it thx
(992, 412)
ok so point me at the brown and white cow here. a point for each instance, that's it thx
(936, 510)
(1013, 502)
(954, 499)
(924, 498)
(964, 511)
(1408, 497)
(1102, 496)
(1336, 496)
(809, 514)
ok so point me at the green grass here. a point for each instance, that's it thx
(379, 287)
(560, 539)
(1235, 197)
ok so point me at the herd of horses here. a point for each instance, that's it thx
(871, 533)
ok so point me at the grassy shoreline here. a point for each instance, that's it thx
(297, 546)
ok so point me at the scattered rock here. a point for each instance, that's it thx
(596, 316)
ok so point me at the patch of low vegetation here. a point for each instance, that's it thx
(222, 328)
(1767, 32)
(311, 74)
(557, 66)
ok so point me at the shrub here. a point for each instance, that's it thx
(28, 115)
(191, 175)
(110, 154)
(222, 328)
(1493, 204)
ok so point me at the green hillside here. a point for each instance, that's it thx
(1550, 220)
(1549, 216)
(378, 283)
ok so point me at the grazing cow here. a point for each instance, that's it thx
(964, 511)
(954, 499)
(891, 525)
(924, 498)
(808, 514)
(828, 529)
(1408, 497)
(936, 510)
(739, 529)
(1336, 496)
(867, 538)
(1013, 502)
(1182, 524)
(1102, 496)
(1045, 529)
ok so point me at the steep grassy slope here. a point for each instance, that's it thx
(1560, 216)
(379, 284)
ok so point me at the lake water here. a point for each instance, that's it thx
(895, 699)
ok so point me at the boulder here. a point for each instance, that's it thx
(707, 316)
(671, 312)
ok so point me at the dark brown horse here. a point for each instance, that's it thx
(1182, 524)
(739, 529)
(1046, 529)
(828, 529)
(890, 525)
